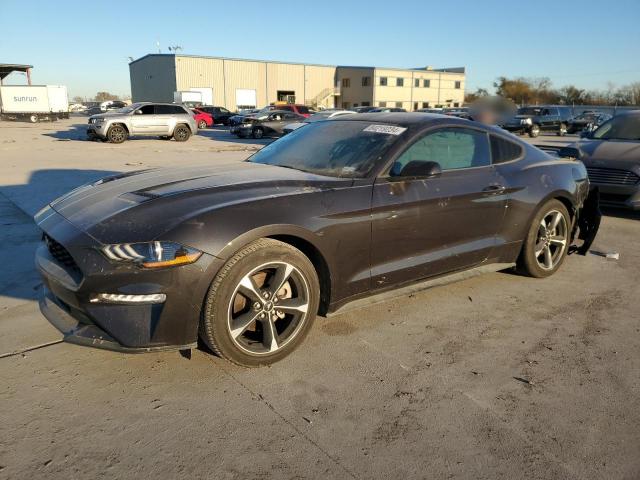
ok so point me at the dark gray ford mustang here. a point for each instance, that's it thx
(246, 254)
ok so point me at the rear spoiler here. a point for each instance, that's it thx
(564, 152)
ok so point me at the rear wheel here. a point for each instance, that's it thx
(34, 118)
(181, 133)
(547, 242)
(534, 131)
(202, 124)
(117, 134)
(261, 305)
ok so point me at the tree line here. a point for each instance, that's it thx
(99, 97)
(533, 91)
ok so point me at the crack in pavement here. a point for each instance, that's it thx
(30, 349)
(285, 420)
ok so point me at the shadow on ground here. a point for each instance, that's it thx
(19, 235)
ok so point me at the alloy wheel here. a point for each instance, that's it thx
(268, 308)
(552, 239)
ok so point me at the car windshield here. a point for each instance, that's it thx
(623, 127)
(128, 108)
(344, 149)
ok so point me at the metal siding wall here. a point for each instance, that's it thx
(194, 72)
(285, 76)
(245, 75)
(153, 79)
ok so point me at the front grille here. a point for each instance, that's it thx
(60, 253)
(612, 176)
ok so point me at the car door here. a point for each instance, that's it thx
(422, 227)
(550, 119)
(143, 120)
(165, 118)
(274, 123)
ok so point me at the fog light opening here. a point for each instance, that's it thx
(122, 298)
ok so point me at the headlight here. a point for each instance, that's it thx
(96, 120)
(152, 254)
(525, 121)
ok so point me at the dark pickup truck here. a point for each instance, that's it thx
(533, 120)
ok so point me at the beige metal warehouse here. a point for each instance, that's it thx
(238, 83)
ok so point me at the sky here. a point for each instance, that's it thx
(86, 45)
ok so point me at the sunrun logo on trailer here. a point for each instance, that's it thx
(25, 99)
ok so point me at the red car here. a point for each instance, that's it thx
(292, 107)
(203, 119)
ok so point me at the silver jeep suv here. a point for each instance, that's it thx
(163, 119)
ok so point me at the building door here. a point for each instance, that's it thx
(288, 96)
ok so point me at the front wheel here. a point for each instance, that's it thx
(534, 131)
(181, 133)
(261, 305)
(562, 131)
(117, 134)
(547, 242)
(34, 118)
(258, 132)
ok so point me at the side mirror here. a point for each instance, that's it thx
(138, 112)
(421, 168)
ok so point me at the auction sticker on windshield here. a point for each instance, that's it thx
(388, 129)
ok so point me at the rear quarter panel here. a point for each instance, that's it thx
(531, 182)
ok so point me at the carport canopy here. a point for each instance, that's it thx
(8, 68)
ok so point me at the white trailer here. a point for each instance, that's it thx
(34, 102)
(189, 98)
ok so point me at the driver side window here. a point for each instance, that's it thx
(452, 148)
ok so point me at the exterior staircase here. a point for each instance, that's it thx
(322, 97)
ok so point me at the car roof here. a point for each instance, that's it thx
(395, 118)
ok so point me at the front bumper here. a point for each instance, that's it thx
(242, 129)
(96, 130)
(71, 285)
(619, 196)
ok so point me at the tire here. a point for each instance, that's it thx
(534, 131)
(117, 134)
(534, 260)
(237, 297)
(562, 130)
(181, 133)
(202, 124)
(258, 132)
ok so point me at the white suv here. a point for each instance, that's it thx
(165, 120)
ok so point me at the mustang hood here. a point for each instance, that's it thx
(141, 205)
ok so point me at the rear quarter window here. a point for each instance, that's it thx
(503, 150)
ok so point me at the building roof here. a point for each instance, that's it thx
(457, 70)
(8, 68)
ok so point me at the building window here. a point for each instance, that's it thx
(382, 104)
(458, 84)
(355, 105)
(399, 82)
(398, 104)
(345, 105)
(366, 104)
(346, 82)
(456, 104)
(366, 81)
(415, 105)
(383, 81)
(426, 83)
(425, 104)
(416, 82)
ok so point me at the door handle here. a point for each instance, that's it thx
(495, 189)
